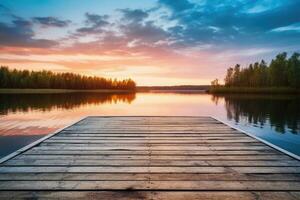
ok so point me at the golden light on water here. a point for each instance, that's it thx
(41, 121)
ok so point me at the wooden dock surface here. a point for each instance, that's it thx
(150, 158)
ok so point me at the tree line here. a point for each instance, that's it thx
(281, 72)
(13, 78)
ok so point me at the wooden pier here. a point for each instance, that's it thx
(150, 158)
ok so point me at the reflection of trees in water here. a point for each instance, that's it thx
(281, 111)
(46, 102)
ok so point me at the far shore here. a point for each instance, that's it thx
(212, 90)
(55, 91)
(252, 90)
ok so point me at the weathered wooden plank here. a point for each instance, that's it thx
(153, 185)
(266, 169)
(148, 176)
(218, 145)
(80, 141)
(36, 151)
(146, 123)
(150, 195)
(153, 157)
(249, 163)
(201, 125)
(148, 162)
(150, 145)
(113, 169)
(187, 130)
(141, 138)
(148, 119)
(190, 132)
(158, 123)
(122, 163)
(115, 121)
(149, 135)
(87, 169)
(148, 126)
(145, 148)
(151, 128)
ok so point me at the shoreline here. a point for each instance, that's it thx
(212, 90)
(57, 91)
(249, 90)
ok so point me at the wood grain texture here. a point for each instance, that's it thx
(151, 195)
(150, 158)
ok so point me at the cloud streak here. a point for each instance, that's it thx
(21, 34)
(93, 24)
(51, 22)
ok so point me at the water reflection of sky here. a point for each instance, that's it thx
(26, 118)
(288, 141)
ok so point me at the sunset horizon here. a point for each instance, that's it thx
(160, 42)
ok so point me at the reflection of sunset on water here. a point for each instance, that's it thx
(29, 115)
(34, 116)
(41, 116)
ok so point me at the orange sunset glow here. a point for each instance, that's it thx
(153, 42)
(146, 66)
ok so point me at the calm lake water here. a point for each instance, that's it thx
(25, 118)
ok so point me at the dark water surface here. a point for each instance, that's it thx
(26, 117)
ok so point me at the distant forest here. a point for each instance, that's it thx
(49, 80)
(281, 72)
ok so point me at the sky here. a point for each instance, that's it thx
(154, 42)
